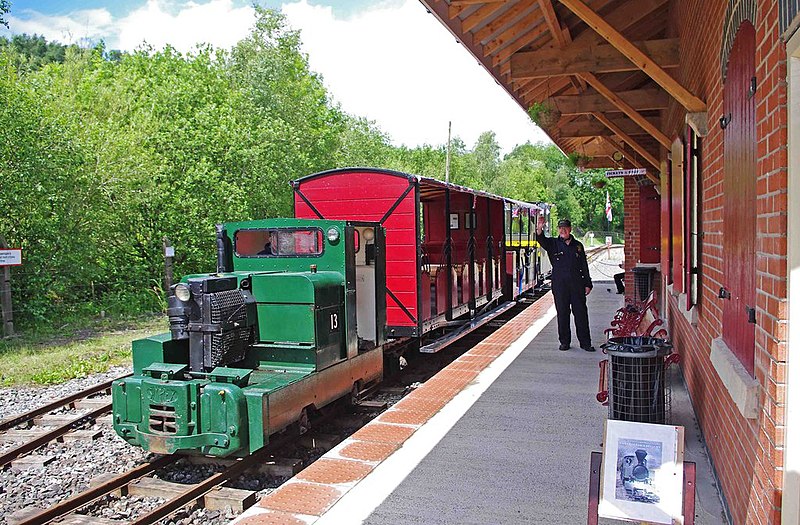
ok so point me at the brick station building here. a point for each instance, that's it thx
(705, 96)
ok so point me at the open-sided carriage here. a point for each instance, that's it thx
(451, 250)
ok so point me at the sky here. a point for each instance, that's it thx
(387, 60)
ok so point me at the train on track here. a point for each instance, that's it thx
(302, 311)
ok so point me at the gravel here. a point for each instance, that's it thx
(76, 463)
(18, 400)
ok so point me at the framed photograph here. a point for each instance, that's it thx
(454, 221)
(642, 473)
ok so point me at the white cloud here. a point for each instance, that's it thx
(397, 65)
(78, 26)
(216, 22)
(393, 63)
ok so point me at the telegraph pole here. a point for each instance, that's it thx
(447, 159)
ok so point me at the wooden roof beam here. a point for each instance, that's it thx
(476, 2)
(514, 32)
(581, 128)
(522, 8)
(551, 19)
(526, 38)
(475, 19)
(582, 58)
(546, 89)
(638, 99)
(689, 101)
(560, 35)
(453, 10)
(620, 18)
(601, 163)
(627, 109)
(628, 140)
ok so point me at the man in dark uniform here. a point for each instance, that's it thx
(571, 282)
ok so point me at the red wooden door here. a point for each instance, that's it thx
(677, 196)
(739, 214)
(649, 225)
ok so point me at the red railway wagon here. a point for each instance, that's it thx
(447, 255)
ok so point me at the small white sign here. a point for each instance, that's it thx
(608, 240)
(453, 221)
(12, 257)
(169, 251)
(626, 173)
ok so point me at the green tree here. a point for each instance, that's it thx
(486, 154)
(5, 7)
(104, 153)
(297, 130)
(34, 52)
(362, 143)
(48, 202)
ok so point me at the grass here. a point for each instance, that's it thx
(41, 359)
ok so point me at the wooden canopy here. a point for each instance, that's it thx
(605, 65)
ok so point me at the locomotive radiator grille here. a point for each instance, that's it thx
(228, 308)
(162, 419)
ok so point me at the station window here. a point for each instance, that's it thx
(279, 242)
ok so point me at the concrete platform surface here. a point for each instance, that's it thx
(521, 453)
(501, 436)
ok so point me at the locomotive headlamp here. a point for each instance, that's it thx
(369, 234)
(183, 292)
(333, 235)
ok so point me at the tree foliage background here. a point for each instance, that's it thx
(105, 153)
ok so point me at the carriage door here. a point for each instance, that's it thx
(739, 213)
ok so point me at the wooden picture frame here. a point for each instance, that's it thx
(642, 473)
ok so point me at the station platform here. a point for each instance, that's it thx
(503, 435)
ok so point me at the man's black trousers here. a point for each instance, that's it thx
(571, 297)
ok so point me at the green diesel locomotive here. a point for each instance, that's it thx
(278, 330)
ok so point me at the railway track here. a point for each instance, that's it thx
(278, 458)
(63, 424)
(272, 458)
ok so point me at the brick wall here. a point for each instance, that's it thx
(771, 299)
(632, 220)
(748, 453)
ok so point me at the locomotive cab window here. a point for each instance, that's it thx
(279, 242)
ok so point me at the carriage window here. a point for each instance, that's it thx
(278, 242)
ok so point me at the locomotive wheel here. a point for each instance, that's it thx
(303, 424)
(355, 393)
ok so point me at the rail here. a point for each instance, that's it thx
(30, 415)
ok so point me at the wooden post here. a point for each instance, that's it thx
(5, 296)
(169, 255)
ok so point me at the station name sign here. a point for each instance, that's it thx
(11, 257)
(626, 173)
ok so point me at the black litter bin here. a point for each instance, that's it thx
(643, 281)
(637, 379)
